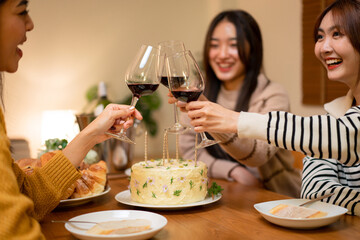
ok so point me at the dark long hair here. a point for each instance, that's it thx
(247, 31)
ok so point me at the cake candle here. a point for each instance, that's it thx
(167, 146)
(177, 147)
(146, 147)
(164, 147)
(196, 143)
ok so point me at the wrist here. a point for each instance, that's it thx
(232, 173)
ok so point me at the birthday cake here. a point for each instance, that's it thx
(168, 182)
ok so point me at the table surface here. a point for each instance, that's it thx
(232, 217)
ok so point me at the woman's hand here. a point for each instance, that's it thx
(113, 119)
(243, 176)
(182, 105)
(207, 116)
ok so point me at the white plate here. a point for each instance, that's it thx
(79, 229)
(125, 198)
(79, 201)
(333, 214)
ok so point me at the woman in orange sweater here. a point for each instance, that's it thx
(26, 199)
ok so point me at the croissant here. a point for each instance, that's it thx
(92, 181)
(28, 165)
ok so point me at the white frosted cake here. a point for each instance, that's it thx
(173, 182)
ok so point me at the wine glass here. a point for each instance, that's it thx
(168, 48)
(143, 78)
(186, 83)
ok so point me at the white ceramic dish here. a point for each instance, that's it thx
(79, 229)
(79, 201)
(124, 197)
(333, 214)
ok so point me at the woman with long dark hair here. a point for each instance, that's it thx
(233, 56)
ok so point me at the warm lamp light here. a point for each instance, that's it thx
(58, 124)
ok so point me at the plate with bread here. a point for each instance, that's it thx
(288, 213)
(72, 202)
(117, 224)
(91, 185)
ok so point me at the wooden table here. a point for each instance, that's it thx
(233, 217)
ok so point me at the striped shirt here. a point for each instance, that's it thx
(330, 141)
(322, 136)
(323, 176)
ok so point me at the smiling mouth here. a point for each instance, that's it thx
(333, 62)
(225, 67)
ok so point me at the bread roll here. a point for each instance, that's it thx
(28, 164)
(92, 182)
(120, 227)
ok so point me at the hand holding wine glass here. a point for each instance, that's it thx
(186, 83)
(143, 78)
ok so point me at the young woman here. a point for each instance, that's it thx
(26, 199)
(332, 140)
(233, 55)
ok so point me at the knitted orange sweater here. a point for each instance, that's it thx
(26, 199)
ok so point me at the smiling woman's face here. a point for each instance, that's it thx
(224, 56)
(14, 23)
(335, 51)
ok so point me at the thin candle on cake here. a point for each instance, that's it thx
(196, 143)
(177, 147)
(164, 147)
(146, 147)
(167, 146)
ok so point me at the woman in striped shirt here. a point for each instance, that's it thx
(331, 140)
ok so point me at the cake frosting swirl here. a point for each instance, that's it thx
(171, 182)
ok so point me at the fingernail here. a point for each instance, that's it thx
(132, 107)
(122, 122)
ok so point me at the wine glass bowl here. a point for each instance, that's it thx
(186, 83)
(142, 77)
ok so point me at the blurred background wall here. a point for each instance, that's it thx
(76, 44)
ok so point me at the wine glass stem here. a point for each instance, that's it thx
(134, 100)
(203, 136)
(176, 114)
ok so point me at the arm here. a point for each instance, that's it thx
(24, 199)
(321, 136)
(47, 184)
(323, 176)
(249, 151)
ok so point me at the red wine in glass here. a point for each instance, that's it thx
(164, 81)
(186, 95)
(142, 89)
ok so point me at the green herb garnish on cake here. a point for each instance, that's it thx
(214, 190)
(177, 193)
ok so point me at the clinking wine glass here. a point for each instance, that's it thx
(186, 83)
(169, 48)
(143, 78)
